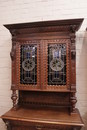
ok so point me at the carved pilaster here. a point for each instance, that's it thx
(73, 101)
(13, 57)
(14, 98)
(73, 61)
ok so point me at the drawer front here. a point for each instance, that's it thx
(22, 128)
(23, 125)
(41, 128)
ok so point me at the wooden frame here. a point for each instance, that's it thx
(56, 87)
(24, 86)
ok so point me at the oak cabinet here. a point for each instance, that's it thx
(44, 74)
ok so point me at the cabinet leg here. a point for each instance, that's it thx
(14, 99)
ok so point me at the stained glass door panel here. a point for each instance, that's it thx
(28, 61)
(28, 64)
(57, 64)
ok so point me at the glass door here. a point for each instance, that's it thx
(28, 73)
(56, 64)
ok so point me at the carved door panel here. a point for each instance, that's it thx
(28, 65)
(56, 64)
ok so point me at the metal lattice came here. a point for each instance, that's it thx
(57, 64)
(28, 64)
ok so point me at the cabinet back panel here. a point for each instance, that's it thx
(49, 99)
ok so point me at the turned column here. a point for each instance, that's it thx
(13, 58)
(73, 99)
(73, 102)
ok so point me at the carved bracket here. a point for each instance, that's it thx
(13, 86)
(13, 50)
(73, 28)
(14, 33)
(72, 37)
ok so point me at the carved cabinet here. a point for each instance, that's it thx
(44, 74)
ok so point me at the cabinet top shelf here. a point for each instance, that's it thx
(69, 22)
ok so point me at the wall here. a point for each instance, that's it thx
(19, 11)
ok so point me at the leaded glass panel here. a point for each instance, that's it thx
(57, 64)
(28, 64)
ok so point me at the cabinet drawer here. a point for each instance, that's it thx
(18, 125)
(42, 128)
(31, 128)
(22, 128)
(38, 128)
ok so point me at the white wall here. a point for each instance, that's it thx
(19, 11)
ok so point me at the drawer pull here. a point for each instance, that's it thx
(38, 127)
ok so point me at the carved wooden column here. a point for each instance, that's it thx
(73, 102)
(73, 69)
(13, 58)
(14, 98)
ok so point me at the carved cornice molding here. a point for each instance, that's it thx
(70, 25)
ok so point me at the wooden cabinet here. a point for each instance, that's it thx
(44, 74)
